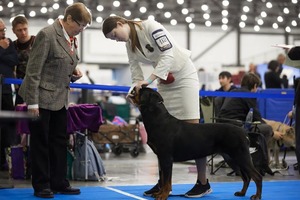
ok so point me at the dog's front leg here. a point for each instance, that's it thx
(165, 164)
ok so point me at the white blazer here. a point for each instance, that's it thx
(160, 50)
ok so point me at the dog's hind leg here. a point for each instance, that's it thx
(257, 178)
(248, 171)
(246, 182)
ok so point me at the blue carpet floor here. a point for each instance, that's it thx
(272, 190)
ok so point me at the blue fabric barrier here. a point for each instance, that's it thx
(273, 104)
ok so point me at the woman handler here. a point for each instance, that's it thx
(150, 43)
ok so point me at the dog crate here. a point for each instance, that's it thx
(120, 137)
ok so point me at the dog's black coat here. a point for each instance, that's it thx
(174, 140)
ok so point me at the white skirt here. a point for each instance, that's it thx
(181, 97)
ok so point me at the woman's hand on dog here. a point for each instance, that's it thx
(141, 84)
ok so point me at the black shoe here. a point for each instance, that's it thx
(68, 190)
(155, 189)
(199, 190)
(45, 193)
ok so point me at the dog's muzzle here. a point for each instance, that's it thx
(134, 97)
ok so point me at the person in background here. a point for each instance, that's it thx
(149, 42)
(280, 59)
(23, 45)
(8, 60)
(238, 108)
(253, 69)
(225, 82)
(285, 81)
(272, 79)
(226, 86)
(293, 56)
(45, 89)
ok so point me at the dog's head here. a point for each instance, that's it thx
(289, 138)
(288, 132)
(145, 97)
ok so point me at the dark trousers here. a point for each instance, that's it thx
(8, 132)
(297, 129)
(48, 147)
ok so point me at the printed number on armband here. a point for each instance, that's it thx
(161, 40)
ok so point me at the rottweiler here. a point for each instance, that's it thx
(174, 140)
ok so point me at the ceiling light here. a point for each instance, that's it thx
(100, 8)
(208, 23)
(188, 19)
(99, 19)
(224, 20)
(127, 13)
(288, 29)
(279, 19)
(224, 12)
(180, 2)
(225, 3)
(50, 21)
(116, 4)
(173, 22)
(246, 9)
(204, 7)
(260, 22)
(269, 5)
(44, 10)
(32, 13)
(185, 11)
(167, 14)
(143, 9)
(294, 1)
(22, 1)
(294, 23)
(151, 17)
(69, 2)
(55, 6)
(242, 24)
(206, 16)
(10, 4)
(263, 14)
(133, 1)
(192, 25)
(224, 27)
(1, 8)
(275, 25)
(286, 11)
(160, 5)
(244, 17)
(256, 28)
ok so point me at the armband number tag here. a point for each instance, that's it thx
(161, 40)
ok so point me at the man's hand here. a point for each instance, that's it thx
(277, 135)
(77, 74)
(4, 43)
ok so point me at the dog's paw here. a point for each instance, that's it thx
(239, 194)
(255, 197)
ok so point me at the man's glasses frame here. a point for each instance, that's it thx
(3, 30)
(80, 25)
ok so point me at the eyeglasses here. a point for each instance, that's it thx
(3, 30)
(80, 25)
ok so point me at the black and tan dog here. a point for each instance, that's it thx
(173, 140)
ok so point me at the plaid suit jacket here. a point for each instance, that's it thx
(49, 69)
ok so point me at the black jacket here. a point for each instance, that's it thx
(238, 108)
